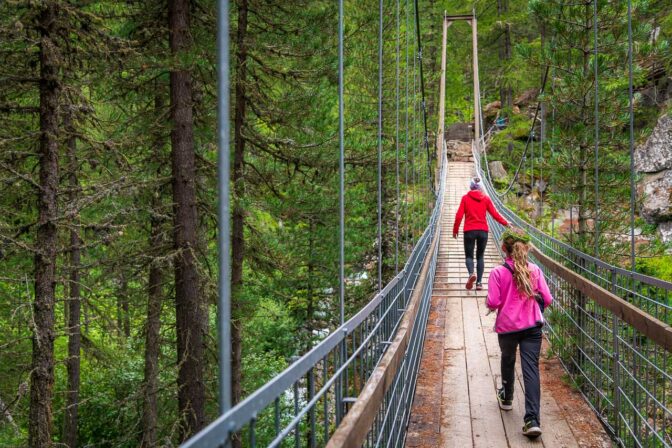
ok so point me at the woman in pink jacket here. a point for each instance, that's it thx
(519, 292)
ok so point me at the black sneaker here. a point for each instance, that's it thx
(532, 429)
(479, 286)
(506, 405)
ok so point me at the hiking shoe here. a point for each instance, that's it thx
(471, 281)
(479, 286)
(506, 405)
(531, 429)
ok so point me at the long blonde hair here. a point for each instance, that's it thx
(517, 249)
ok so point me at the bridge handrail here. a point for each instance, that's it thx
(363, 339)
(649, 326)
(648, 293)
(392, 383)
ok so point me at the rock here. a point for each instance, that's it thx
(459, 151)
(526, 97)
(460, 131)
(656, 153)
(665, 231)
(497, 170)
(657, 204)
(541, 185)
(515, 110)
(491, 109)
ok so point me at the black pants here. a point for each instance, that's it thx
(530, 347)
(479, 238)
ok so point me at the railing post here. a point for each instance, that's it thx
(616, 361)
(581, 319)
(338, 405)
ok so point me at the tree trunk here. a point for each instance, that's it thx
(126, 314)
(42, 370)
(505, 90)
(188, 307)
(154, 302)
(73, 305)
(238, 224)
(123, 319)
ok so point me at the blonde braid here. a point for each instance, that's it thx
(521, 273)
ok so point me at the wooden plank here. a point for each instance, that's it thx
(424, 426)
(454, 334)
(456, 429)
(486, 420)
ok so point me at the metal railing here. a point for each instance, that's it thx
(304, 404)
(652, 295)
(610, 329)
(380, 415)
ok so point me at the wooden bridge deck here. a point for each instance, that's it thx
(455, 403)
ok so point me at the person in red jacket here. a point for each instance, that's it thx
(473, 207)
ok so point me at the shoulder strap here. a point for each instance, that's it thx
(509, 268)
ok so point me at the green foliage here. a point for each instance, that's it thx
(115, 80)
(659, 267)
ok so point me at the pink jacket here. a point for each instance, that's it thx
(514, 311)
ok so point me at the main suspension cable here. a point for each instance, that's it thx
(529, 138)
(422, 92)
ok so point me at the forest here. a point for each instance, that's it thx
(108, 175)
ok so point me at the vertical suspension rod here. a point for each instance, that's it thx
(341, 168)
(597, 134)
(632, 141)
(396, 140)
(380, 145)
(223, 171)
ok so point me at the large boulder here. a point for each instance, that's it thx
(459, 151)
(665, 231)
(656, 153)
(526, 97)
(497, 170)
(657, 204)
(492, 109)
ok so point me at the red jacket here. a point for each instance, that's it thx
(474, 205)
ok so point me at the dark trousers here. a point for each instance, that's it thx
(478, 238)
(530, 347)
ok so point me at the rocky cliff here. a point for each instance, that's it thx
(653, 159)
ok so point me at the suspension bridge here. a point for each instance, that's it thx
(418, 365)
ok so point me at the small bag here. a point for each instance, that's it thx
(537, 296)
